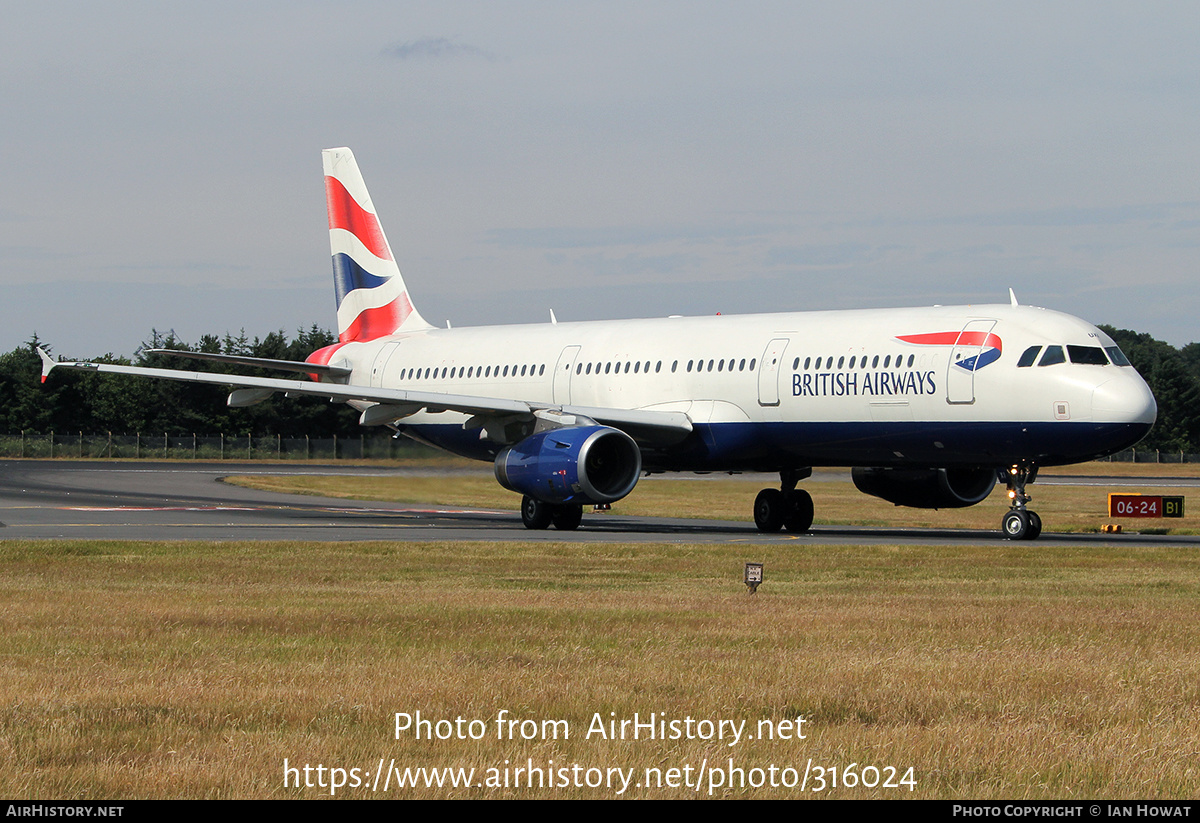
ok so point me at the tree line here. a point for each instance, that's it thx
(73, 401)
(1174, 377)
(76, 401)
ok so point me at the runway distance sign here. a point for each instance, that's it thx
(1144, 505)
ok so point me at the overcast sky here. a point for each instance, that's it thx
(599, 159)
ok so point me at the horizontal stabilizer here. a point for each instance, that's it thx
(259, 362)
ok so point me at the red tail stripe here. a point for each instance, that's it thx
(322, 356)
(345, 213)
(378, 322)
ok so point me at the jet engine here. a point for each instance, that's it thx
(577, 464)
(926, 488)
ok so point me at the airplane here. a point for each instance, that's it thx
(929, 407)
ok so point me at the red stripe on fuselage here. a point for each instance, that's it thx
(950, 338)
(345, 213)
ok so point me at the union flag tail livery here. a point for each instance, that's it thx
(372, 300)
(926, 406)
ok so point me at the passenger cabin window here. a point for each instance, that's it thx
(1028, 357)
(1087, 355)
(1053, 356)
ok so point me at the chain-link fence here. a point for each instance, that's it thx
(1153, 456)
(210, 447)
(274, 447)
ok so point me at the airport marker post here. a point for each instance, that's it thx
(752, 576)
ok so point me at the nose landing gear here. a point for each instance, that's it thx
(1019, 522)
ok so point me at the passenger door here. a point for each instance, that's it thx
(768, 372)
(964, 360)
(562, 374)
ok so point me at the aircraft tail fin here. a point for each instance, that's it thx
(372, 299)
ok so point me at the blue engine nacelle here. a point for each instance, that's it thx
(580, 464)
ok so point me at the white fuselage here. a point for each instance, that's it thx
(774, 390)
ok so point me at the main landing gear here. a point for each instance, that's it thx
(1020, 523)
(536, 514)
(786, 507)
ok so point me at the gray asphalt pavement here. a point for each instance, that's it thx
(129, 500)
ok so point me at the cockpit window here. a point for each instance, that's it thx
(1028, 357)
(1117, 356)
(1087, 355)
(1053, 356)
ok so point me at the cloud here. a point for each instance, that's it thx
(634, 265)
(1070, 216)
(570, 237)
(435, 48)
(825, 255)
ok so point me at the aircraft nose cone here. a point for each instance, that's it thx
(1125, 399)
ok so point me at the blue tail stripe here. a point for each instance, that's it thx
(348, 276)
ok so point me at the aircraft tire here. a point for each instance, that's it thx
(535, 514)
(769, 510)
(1015, 525)
(567, 517)
(1035, 526)
(799, 516)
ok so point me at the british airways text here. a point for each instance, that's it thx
(843, 384)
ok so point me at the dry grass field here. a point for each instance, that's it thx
(196, 669)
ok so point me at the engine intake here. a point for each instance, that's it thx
(578, 464)
(926, 488)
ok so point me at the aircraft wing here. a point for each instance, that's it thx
(392, 405)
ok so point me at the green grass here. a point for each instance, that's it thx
(194, 669)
